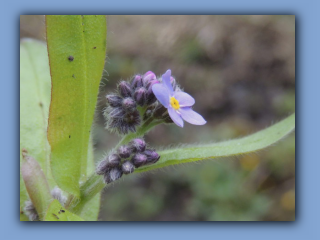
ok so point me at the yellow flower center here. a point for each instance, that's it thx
(174, 103)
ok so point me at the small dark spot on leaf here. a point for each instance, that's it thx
(83, 31)
(82, 23)
(55, 215)
(73, 76)
(40, 104)
(61, 211)
(94, 47)
(82, 16)
(70, 58)
(69, 136)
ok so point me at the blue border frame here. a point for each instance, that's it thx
(307, 59)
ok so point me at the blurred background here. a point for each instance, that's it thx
(241, 72)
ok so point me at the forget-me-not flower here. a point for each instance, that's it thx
(178, 103)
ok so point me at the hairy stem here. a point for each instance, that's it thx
(87, 191)
(146, 127)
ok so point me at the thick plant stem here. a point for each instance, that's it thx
(87, 191)
(95, 182)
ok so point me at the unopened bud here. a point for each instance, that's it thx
(124, 89)
(102, 167)
(150, 97)
(152, 156)
(113, 160)
(112, 175)
(139, 159)
(138, 145)
(114, 100)
(140, 96)
(136, 82)
(148, 76)
(127, 167)
(132, 118)
(116, 113)
(129, 104)
(124, 151)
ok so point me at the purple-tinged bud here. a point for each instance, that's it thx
(113, 160)
(124, 151)
(112, 175)
(150, 84)
(114, 100)
(129, 104)
(147, 77)
(127, 167)
(159, 111)
(139, 159)
(138, 145)
(114, 123)
(102, 167)
(140, 96)
(117, 113)
(150, 97)
(124, 89)
(152, 156)
(136, 82)
(127, 123)
(132, 118)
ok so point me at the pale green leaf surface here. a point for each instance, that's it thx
(35, 93)
(58, 213)
(251, 143)
(75, 85)
(36, 184)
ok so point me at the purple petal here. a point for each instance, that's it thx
(184, 99)
(147, 77)
(161, 93)
(166, 81)
(191, 116)
(176, 118)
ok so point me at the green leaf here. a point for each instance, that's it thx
(234, 147)
(76, 47)
(35, 94)
(36, 184)
(56, 212)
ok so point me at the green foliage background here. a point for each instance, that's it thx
(241, 71)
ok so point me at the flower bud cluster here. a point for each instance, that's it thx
(125, 159)
(122, 114)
